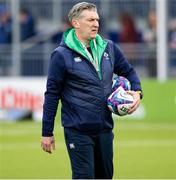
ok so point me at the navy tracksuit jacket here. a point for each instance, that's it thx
(73, 79)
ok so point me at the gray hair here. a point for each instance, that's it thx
(78, 8)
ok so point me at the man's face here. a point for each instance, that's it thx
(87, 25)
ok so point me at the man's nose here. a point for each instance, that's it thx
(96, 23)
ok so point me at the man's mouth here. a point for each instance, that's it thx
(95, 30)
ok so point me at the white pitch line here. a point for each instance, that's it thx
(146, 127)
(133, 143)
(12, 146)
(18, 132)
(145, 143)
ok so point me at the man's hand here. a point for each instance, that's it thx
(136, 101)
(48, 144)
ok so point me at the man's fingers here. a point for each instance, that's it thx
(130, 92)
(48, 144)
(53, 145)
(134, 106)
(46, 147)
(136, 101)
(132, 109)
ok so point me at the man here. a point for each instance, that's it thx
(80, 75)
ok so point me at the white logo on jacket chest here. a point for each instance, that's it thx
(77, 59)
(72, 146)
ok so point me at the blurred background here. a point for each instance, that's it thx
(145, 30)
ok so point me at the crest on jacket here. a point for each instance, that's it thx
(106, 55)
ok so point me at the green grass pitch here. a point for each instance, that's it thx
(142, 149)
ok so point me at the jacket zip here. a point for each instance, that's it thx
(101, 85)
(99, 80)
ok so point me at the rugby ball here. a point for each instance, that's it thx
(120, 101)
(121, 81)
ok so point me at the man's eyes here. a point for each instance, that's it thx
(93, 20)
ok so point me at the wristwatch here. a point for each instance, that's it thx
(140, 93)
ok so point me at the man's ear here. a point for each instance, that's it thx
(75, 23)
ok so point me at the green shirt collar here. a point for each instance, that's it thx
(72, 42)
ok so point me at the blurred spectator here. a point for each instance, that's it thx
(5, 26)
(172, 43)
(113, 35)
(150, 39)
(27, 24)
(128, 32)
(56, 38)
(172, 34)
(129, 36)
(150, 33)
(5, 38)
(172, 39)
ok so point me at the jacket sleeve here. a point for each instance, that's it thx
(55, 82)
(123, 68)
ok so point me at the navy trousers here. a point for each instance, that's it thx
(91, 156)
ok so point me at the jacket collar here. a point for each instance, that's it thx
(70, 40)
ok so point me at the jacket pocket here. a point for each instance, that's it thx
(88, 120)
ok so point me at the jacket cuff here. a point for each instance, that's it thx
(45, 134)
